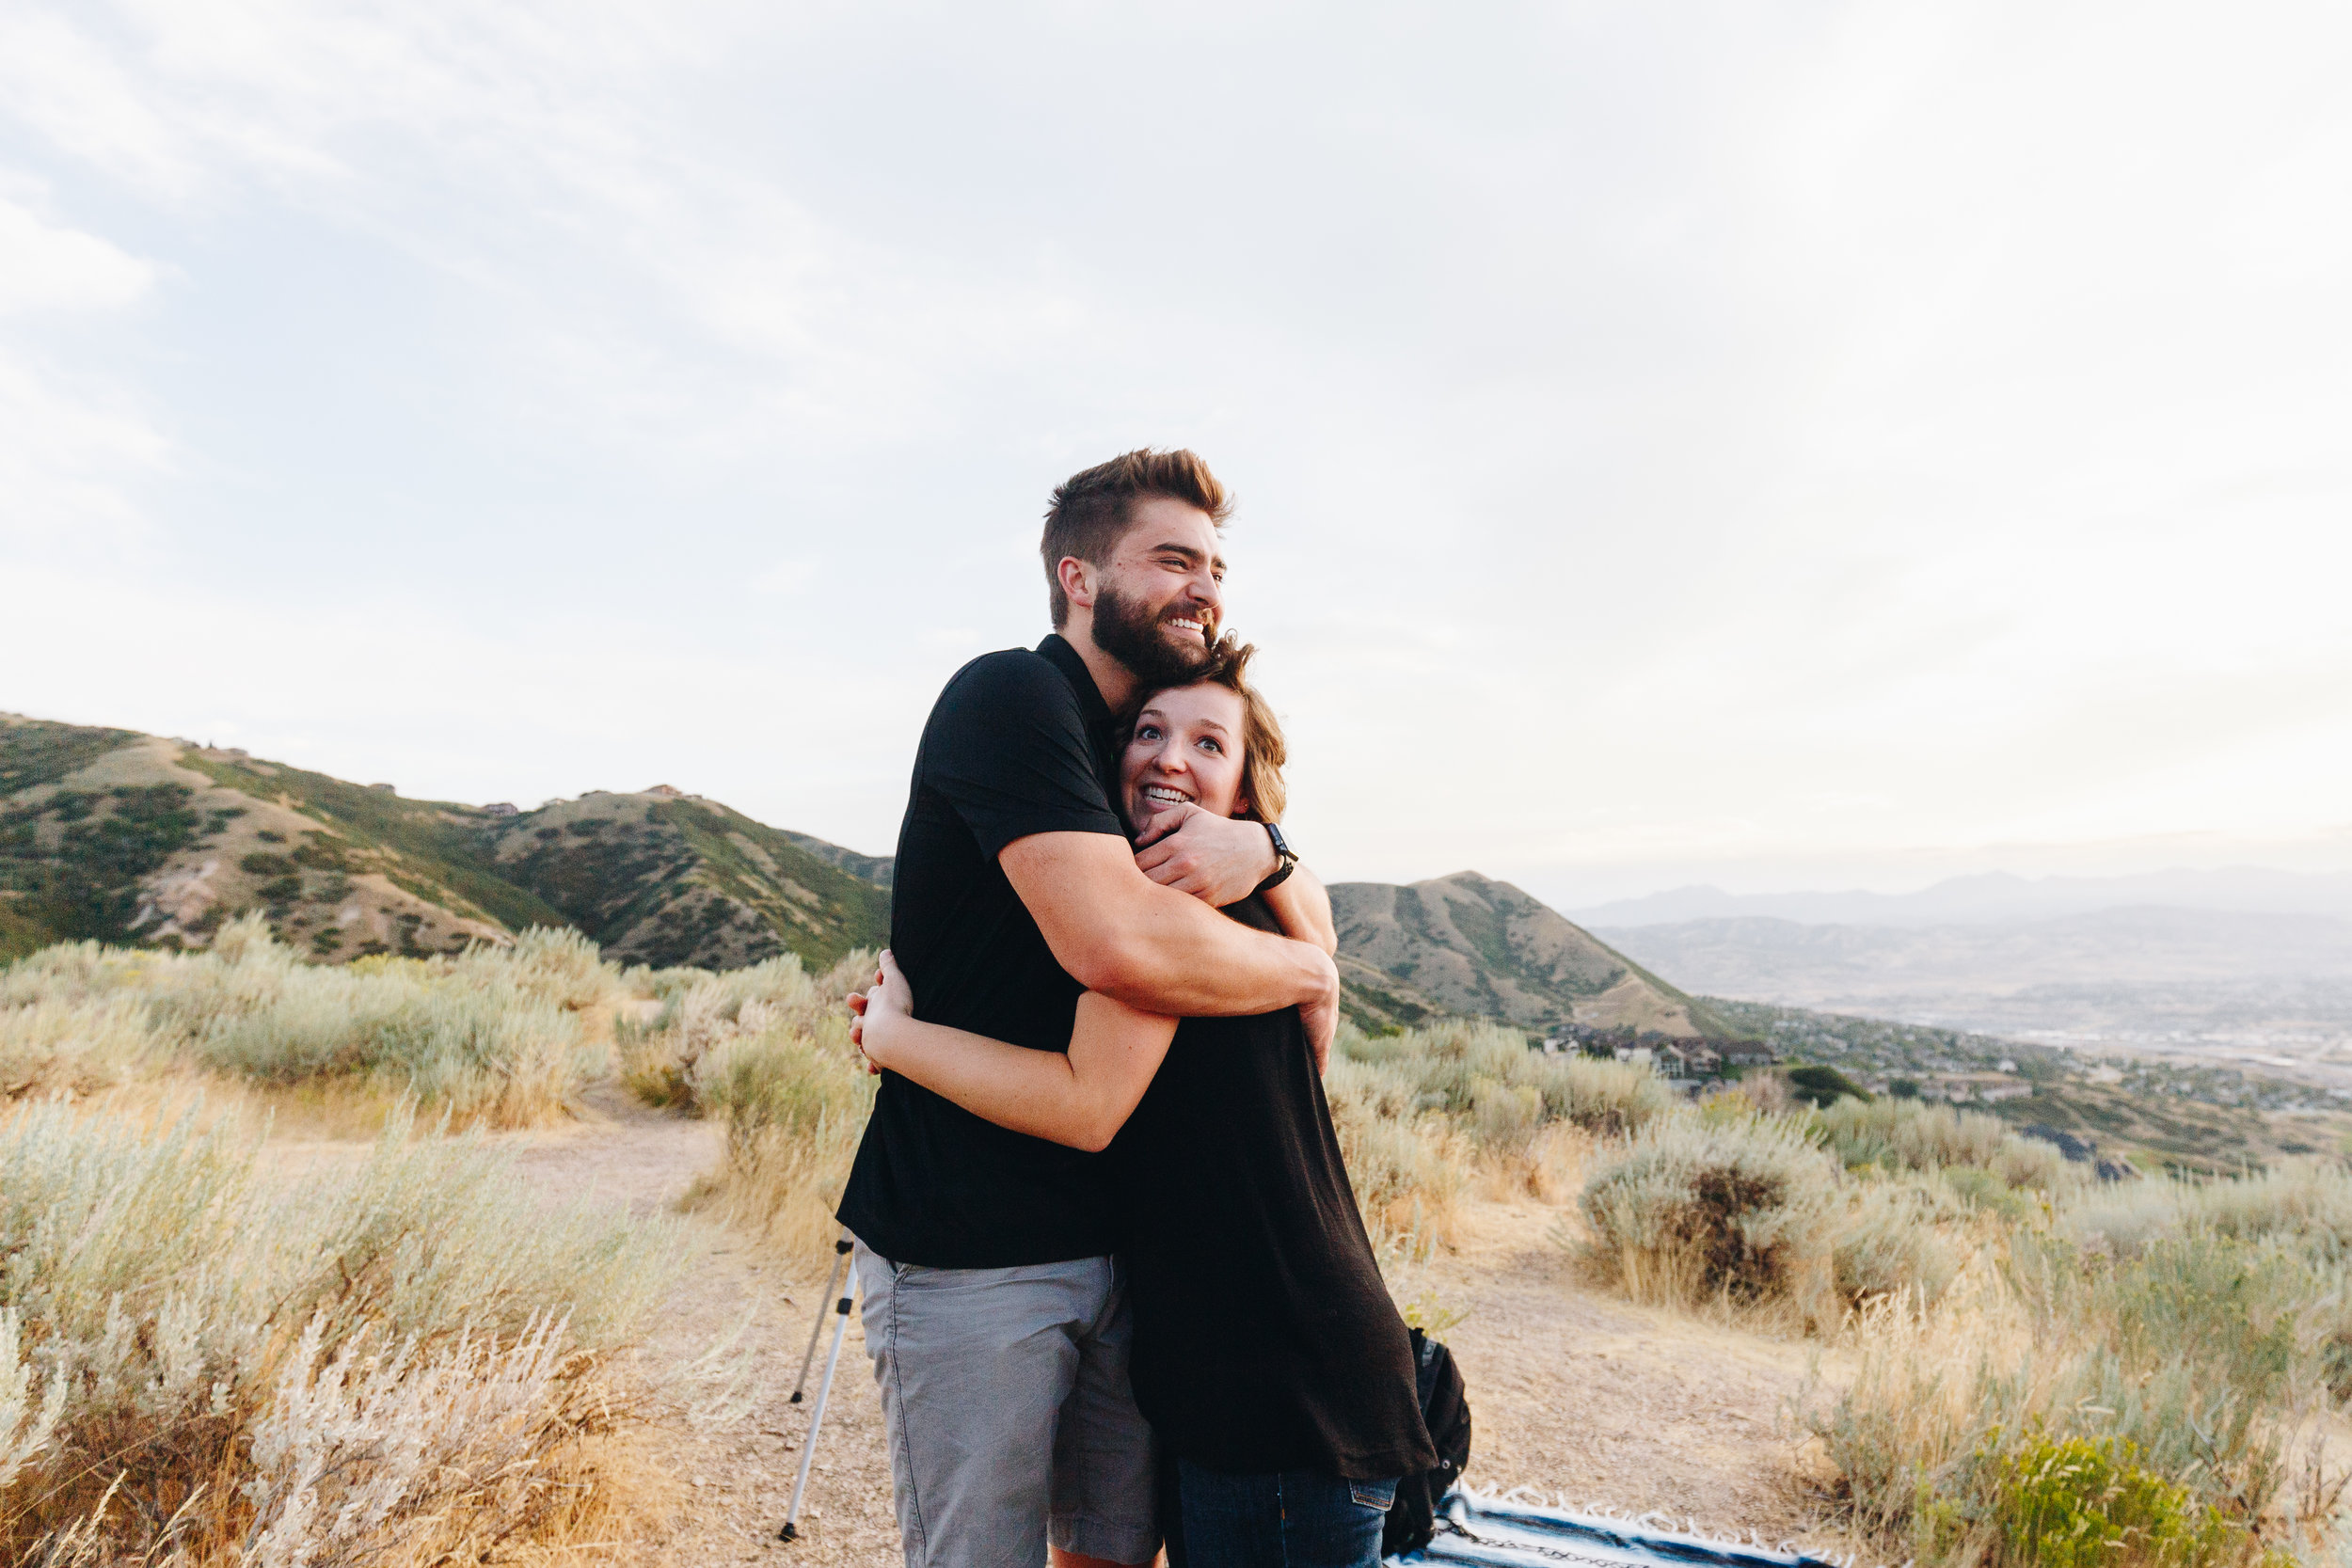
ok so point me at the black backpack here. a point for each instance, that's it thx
(1445, 1410)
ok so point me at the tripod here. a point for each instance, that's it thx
(838, 1307)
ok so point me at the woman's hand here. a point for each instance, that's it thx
(879, 1009)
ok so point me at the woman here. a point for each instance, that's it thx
(1267, 1353)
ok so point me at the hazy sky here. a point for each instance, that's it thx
(1785, 445)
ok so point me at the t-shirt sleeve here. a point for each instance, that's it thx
(1007, 748)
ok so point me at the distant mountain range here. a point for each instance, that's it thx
(123, 837)
(2171, 977)
(1997, 897)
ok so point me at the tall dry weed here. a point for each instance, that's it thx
(493, 1034)
(219, 1364)
(766, 1049)
(74, 1047)
(1949, 1405)
(1410, 1167)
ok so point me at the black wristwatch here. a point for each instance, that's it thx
(1285, 857)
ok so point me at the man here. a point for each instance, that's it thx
(994, 1311)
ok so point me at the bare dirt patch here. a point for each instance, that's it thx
(1596, 1402)
(718, 1489)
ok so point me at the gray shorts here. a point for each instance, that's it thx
(1007, 1408)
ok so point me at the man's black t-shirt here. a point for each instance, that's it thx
(1018, 743)
(1265, 1339)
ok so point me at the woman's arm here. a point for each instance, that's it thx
(1304, 909)
(1082, 1099)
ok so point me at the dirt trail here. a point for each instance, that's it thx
(721, 1487)
(1572, 1393)
(1598, 1402)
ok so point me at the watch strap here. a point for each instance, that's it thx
(1286, 859)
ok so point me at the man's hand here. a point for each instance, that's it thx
(888, 1002)
(1219, 860)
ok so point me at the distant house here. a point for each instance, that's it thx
(1748, 1054)
(666, 792)
(501, 808)
(1689, 1059)
(382, 789)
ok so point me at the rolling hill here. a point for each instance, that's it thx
(1472, 945)
(123, 837)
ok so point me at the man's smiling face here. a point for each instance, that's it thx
(1161, 594)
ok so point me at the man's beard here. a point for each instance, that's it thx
(1137, 635)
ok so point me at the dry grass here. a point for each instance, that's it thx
(1947, 1404)
(503, 1036)
(1913, 1135)
(765, 1049)
(200, 1363)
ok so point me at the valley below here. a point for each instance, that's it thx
(2267, 993)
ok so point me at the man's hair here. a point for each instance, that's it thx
(1262, 750)
(1090, 511)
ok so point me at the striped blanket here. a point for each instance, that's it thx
(1503, 1532)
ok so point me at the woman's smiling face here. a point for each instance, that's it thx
(1187, 749)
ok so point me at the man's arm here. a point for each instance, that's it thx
(1156, 949)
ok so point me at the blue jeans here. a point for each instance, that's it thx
(1279, 1519)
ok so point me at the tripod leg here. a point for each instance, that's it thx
(816, 1415)
(840, 1262)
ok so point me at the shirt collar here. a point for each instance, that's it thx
(1073, 668)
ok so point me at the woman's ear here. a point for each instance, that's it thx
(1241, 805)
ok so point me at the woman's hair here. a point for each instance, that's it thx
(1262, 750)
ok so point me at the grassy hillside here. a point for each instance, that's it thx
(116, 836)
(1473, 946)
(669, 881)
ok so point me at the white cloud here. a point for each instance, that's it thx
(47, 267)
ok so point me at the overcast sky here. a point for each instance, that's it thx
(1781, 445)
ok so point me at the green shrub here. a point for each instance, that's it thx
(1452, 1066)
(2078, 1502)
(1908, 1134)
(1895, 1237)
(1822, 1086)
(766, 1050)
(492, 1032)
(1684, 1210)
(2308, 1203)
(1929, 1428)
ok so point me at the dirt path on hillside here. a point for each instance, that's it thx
(1597, 1403)
(1582, 1396)
(720, 1487)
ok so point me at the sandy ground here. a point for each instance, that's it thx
(1578, 1396)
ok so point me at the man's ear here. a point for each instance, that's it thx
(1077, 580)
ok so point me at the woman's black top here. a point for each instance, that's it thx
(1263, 1338)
